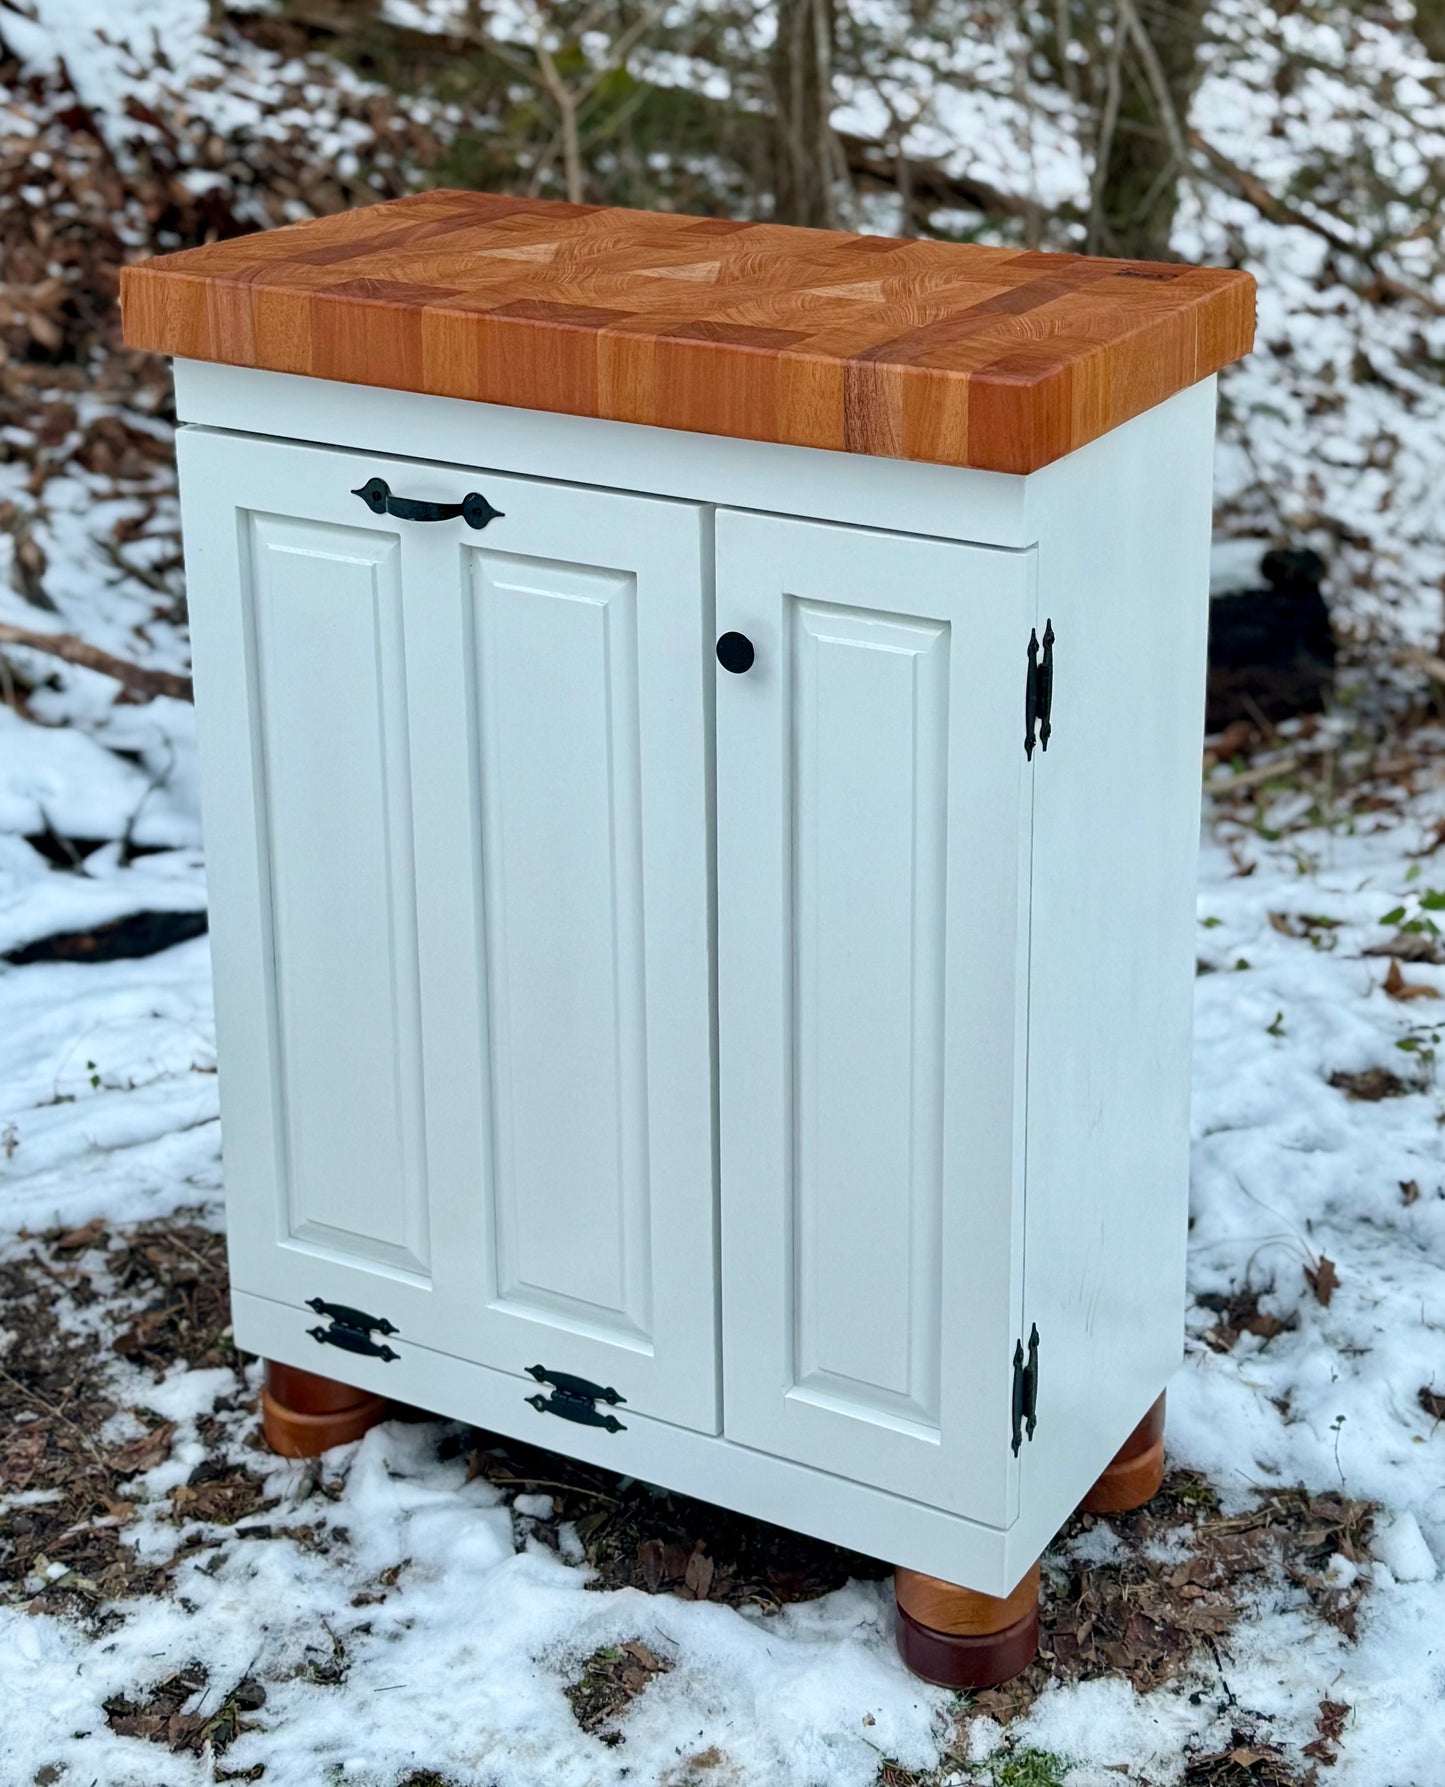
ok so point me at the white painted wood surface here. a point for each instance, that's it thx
(709, 1466)
(872, 951)
(1123, 573)
(456, 793)
(954, 502)
(472, 911)
(330, 659)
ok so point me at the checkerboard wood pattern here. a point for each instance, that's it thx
(999, 358)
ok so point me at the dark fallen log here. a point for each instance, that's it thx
(140, 934)
(1272, 649)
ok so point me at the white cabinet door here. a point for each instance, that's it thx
(873, 839)
(457, 817)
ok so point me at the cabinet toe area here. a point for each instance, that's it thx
(960, 1639)
(1136, 1470)
(303, 1415)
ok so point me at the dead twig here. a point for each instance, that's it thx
(49, 1408)
(1433, 666)
(1251, 778)
(546, 1483)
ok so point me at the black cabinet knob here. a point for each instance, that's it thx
(735, 652)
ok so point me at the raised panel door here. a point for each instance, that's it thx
(872, 942)
(457, 810)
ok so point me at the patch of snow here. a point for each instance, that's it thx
(1400, 1545)
(185, 1395)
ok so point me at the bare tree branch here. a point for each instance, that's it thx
(570, 100)
(1108, 124)
(1158, 81)
(1253, 190)
(928, 181)
(134, 677)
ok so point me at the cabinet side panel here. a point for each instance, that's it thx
(1123, 575)
(556, 686)
(870, 817)
(326, 621)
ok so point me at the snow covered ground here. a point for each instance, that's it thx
(401, 1612)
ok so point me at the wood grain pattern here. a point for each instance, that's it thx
(997, 358)
(943, 1607)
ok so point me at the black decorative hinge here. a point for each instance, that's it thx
(1039, 691)
(575, 1399)
(1026, 1389)
(352, 1330)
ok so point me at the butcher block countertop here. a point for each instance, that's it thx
(998, 358)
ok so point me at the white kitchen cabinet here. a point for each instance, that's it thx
(701, 836)
(459, 850)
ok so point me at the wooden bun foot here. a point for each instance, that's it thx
(960, 1639)
(303, 1415)
(1136, 1472)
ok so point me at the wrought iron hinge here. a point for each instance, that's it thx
(1039, 691)
(352, 1330)
(575, 1399)
(1026, 1389)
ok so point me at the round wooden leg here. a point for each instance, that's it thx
(303, 1415)
(960, 1639)
(1136, 1472)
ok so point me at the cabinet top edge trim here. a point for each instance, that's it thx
(595, 487)
(898, 496)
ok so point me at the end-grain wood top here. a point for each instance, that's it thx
(991, 357)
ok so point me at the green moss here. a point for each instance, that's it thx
(1027, 1768)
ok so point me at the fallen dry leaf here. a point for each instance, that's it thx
(1322, 1279)
(1411, 946)
(611, 1679)
(1372, 1085)
(1241, 1314)
(77, 1240)
(1399, 988)
(699, 1574)
(1410, 1191)
(144, 1453)
(1432, 1402)
(1330, 1725)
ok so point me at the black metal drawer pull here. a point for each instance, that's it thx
(474, 508)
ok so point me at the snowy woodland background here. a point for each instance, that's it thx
(436, 1608)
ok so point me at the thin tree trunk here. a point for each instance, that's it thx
(806, 155)
(1142, 154)
(1430, 26)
